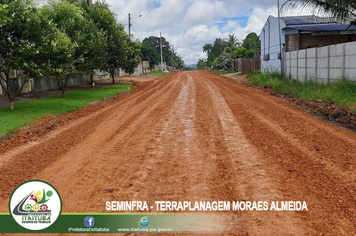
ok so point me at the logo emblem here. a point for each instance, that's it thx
(144, 221)
(89, 221)
(35, 205)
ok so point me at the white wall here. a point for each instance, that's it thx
(325, 64)
(270, 44)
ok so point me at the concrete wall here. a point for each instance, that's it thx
(159, 67)
(138, 71)
(325, 64)
(44, 84)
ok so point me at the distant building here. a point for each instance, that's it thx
(299, 32)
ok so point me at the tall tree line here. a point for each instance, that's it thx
(221, 54)
(151, 52)
(61, 39)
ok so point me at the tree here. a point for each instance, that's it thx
(17, 46)
(344, 10)
(133, 52)
(99, 14)
(201, 64)
(84, 42)
(252, 44)
(116, 39)
(149, 53)
(224, 61)
(216, 51)
(180, 62)
(232, 42)
(166, 47)
(239, 52)
(117, 45)
(207, 48)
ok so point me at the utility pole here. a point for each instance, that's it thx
(173, 57)
(280, 36)
(130, 26)
(160, 36)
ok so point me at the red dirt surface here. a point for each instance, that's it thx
(195, 136)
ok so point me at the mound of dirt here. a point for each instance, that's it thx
(328, 110)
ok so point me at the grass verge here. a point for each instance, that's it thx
(28, 112)
(158, 73)
(218, 72)
(342, 92)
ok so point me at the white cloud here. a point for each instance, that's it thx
(189, 24)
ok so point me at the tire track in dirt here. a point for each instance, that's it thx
(317, 175)
(29, 160)
(200, 137)
(104, 161)
(252, 174)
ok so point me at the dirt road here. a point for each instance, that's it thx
(197, 136)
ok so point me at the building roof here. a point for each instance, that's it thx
(307, 20)
(324, 28)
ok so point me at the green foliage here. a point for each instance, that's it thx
(202, 64)
(28, 112)
(343, 10)
(61, 39)
(151, 51)
(178, 61)
(153, 43)
(239, 52)
(217, 49)
(343, 92)
(250, 47)
(224, 61)
(207, 48)
(98, 15)
(84, 42)
(117, 41)
(252, 44)
(133, 52)
(232, 42)
(18, 47)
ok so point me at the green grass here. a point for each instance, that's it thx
(342, 92)
(158, 73)
(218, 72)
(27, 112)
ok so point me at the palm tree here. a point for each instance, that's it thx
(232, 42)
(221, 43)
(207, 48)
(343, 10)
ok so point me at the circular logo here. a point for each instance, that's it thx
(35, 205)
(144, 221)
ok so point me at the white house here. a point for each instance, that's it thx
(297, 33)
(270, 47)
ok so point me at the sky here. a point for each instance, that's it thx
(189, 24)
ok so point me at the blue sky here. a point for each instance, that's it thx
(189, 24)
